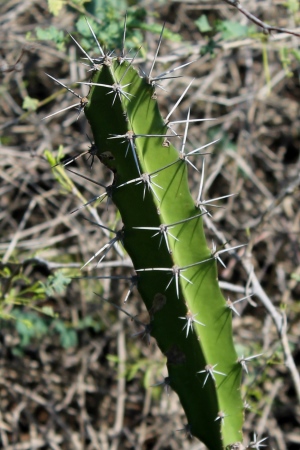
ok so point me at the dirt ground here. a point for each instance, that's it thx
(81, 380)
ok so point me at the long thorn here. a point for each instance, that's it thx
(178, 102)
(124, 37)
(96, 40)
(86, 178)
(162, 75)
(156, 53)
(190, 121)
(63, 85)
(62, 110)
(185, 132)
(83, 51)
(129, 65)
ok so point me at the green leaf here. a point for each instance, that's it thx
(295, 276)
(148, 376)
(155, 28)
(30, 104)
(50, 158)
(89, 322)
(210, 47)
(69, 339)
(113, 358)
(296, 53)
(58, 170)
(48, 311)
(101, 7)
(29, 36)
(203, 24)
(55, 6)
(83, 29)
(29, 326)
(68, 336)
(133, 370)
(56, 284)
(292, 5)
(232, 30)
(47, 34)
(51, 34)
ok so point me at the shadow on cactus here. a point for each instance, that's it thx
(175, 270)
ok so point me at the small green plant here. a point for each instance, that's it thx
(144, 365)
(17, 289)
(32, 326)
(22, 306)
(106, 19)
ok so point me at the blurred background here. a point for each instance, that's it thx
(72, 373)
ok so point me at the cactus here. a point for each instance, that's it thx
(176, 271)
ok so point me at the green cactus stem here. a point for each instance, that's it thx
(163, 233)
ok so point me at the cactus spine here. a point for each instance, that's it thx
(164, 236)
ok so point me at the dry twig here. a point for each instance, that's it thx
(267, 29)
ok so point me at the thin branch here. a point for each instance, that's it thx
(267, 29)
(280, 321)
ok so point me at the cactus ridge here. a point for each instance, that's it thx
(177, 276)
